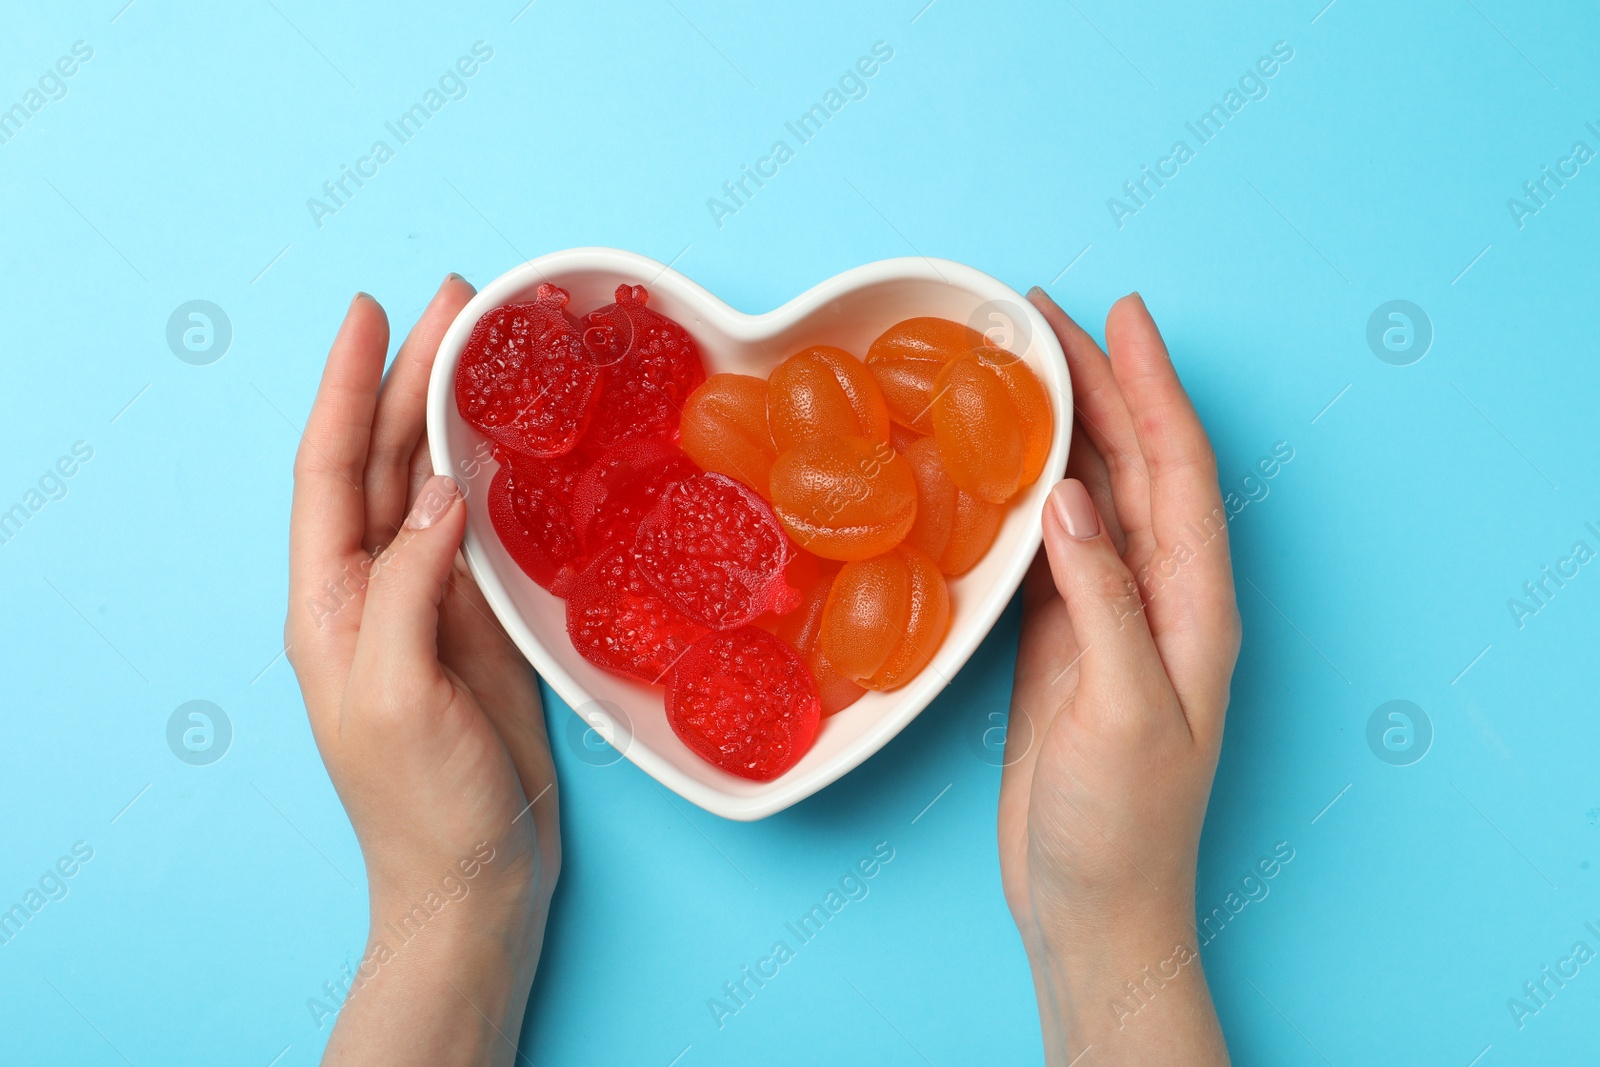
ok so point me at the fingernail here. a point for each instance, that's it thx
(453, 277)
(1036, 289)
(1075, 510)
(438, 494)
(360, 296)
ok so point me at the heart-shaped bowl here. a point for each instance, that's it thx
(848, 310)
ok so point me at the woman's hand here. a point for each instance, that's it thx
(427, 717)
(1129, 637)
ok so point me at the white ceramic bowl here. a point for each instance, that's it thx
(848, 310)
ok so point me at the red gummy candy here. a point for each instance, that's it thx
(652, 365)
(525, 379)
(742, 700)
(619, 489)
(715, 549)
(530, 507)
(618, 621)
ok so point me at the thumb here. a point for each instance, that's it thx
(400, 620)
(1102, 598)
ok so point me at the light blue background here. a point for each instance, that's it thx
(1378, 566)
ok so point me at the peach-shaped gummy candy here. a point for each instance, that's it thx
(979, 430)
(885, 618)
(953, 527)
(824, 392)
(844, 497)
(724, 429)
(802, 628)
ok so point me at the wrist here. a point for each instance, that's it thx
(1126, 980)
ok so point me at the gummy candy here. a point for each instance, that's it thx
(742, 700)
(924, 338)
(801, 628)
(824, 392)
(1032, 403)
(617, 490)
(724, 429)
(530, 508)
(524, 378)
(979, 431)
(844, 497)
(652, 365)
(907, 387)
(716, 551)
(885, 617)
(953, 527)
(907, 357)
(618, 620)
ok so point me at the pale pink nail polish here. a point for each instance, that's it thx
(1075, 510)
(435, 498)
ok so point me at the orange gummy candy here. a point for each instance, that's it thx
(822, 392)
(952, 526)
(908, 356)
(844, 497)
(802, 628)
(924, 338)
(885, 617)
(724, 429)
(992, 420)
(1028, 395)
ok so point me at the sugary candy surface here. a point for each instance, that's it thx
(525, 379)
(715, 550)
(976, 526)
(940, 340)
(936, 497)
(953, 527)
(979, 430)
(724, 429)
(844, 497)
(907, 388)
(742, 700)
(530, 508)
(802, 629)
(652, 365)
(824, 392)
(885, 618)
(1032, 404)
(618, 620)
(616, 491)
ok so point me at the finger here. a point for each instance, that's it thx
(1177, 453)
(1098, 403)
(1188, 581)
(400, 620)
(1117, 654)
(401, 413)
(473, 645)
(327, 515)
(1085, 463)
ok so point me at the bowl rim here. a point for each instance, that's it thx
(635, 268)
